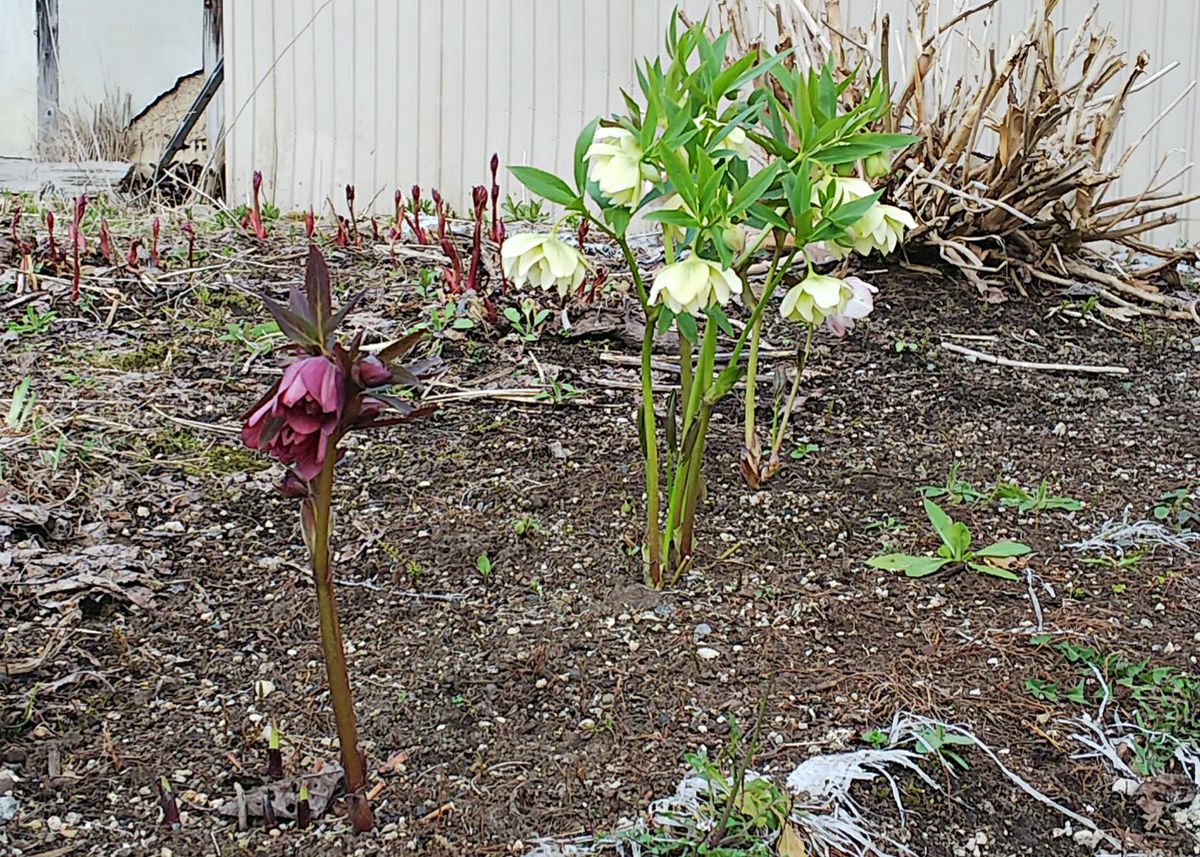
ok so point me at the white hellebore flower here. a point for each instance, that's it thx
(540, 259)
(815, 298)
(881, 228)
(615, 164)
(858, 307)
(845, 189)
(735, 141)
(693, 285)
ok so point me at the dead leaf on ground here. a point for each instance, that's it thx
(1159, 794)
(789, 843)
(285, 793)
(117, 570)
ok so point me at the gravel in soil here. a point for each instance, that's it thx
(556, 695)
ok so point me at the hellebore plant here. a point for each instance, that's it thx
(683, 156)
(326, 391)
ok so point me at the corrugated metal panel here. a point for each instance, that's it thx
(321, 93)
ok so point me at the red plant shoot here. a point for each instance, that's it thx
(53, 250)
(497, 231)
(106, 247)
(170, 809)
(155, 228)
(418, 231)
(353, 218)
(253, 221)
(310, 224)
(479, 196)
(342, 238)
(190, 231)
(78, 244)
(132, 258)
(440, 207)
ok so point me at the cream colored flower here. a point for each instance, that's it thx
(615, 164)
(815, 298)
(540, 259)
(735, 141)
(693, 285)
(881, 228)
(845, 189)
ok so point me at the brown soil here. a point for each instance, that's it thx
(557, 695)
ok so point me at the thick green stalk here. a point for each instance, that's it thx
(333, 648)
(689, 439)
(749, 298)
(691, 495)
(653, 563)
(685, 369)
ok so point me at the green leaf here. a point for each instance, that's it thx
(912, 566)
(512, 314)
(718, 316)
(686, 323)
(546, 185)
(863, 146)
(581, 146)
(665, 318)
(751, 191)
(673, 216)
(767, 215)
(942, 524)
(618, 219)
(1003, 549)
(994, 571)
(680, 176)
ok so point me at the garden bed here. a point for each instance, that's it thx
(554, 695)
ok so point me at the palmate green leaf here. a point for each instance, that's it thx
(1004, 548)
(992, 570)
(546, 185)
(912, 566)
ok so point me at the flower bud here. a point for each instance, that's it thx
(350, 195)
(735, 238)
(877, 166)
(293, 486)
(257, 180)
(479, 196)
(370, 372)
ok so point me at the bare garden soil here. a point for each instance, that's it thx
(555, 695)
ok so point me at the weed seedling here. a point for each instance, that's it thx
(954, 490)
(527, 525)
(955, 550)
(1011, 494)
(936, 741)
(33, 323)
(1178, 509)
(485, 567)
(525, 211)
(527, 320)
(804, 450)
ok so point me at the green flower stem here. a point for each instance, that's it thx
(685, 369)
(752, 361)
(691, 495)
(777, 440)
(653, 560)
(690, 440)
(333, 648)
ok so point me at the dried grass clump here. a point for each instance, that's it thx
(1014, 178)
(98, 133)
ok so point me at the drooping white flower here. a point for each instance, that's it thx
(694, 284)
(735, 141)
(856, 308)
(845, 189)
(815, 298)
(881, 228)
(540, 259)
(615, 163)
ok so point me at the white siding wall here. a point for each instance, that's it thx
(384, 93)
(133, 47)
(18, 78)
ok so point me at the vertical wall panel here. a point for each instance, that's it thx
(384, 93)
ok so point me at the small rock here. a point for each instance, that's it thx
(556, 449)
(587, 724)
(705, 653)
(702, 630)
(8, 808)
(263, 688)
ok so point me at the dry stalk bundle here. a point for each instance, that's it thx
(1015, 177)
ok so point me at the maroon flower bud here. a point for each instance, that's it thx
(416, 195)
(310, 224)
(350, 195)
(495, 164)
(257, 181)
(398, 198)
(437, 197)
(370, 372)
(293, 486)
(479, 196)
